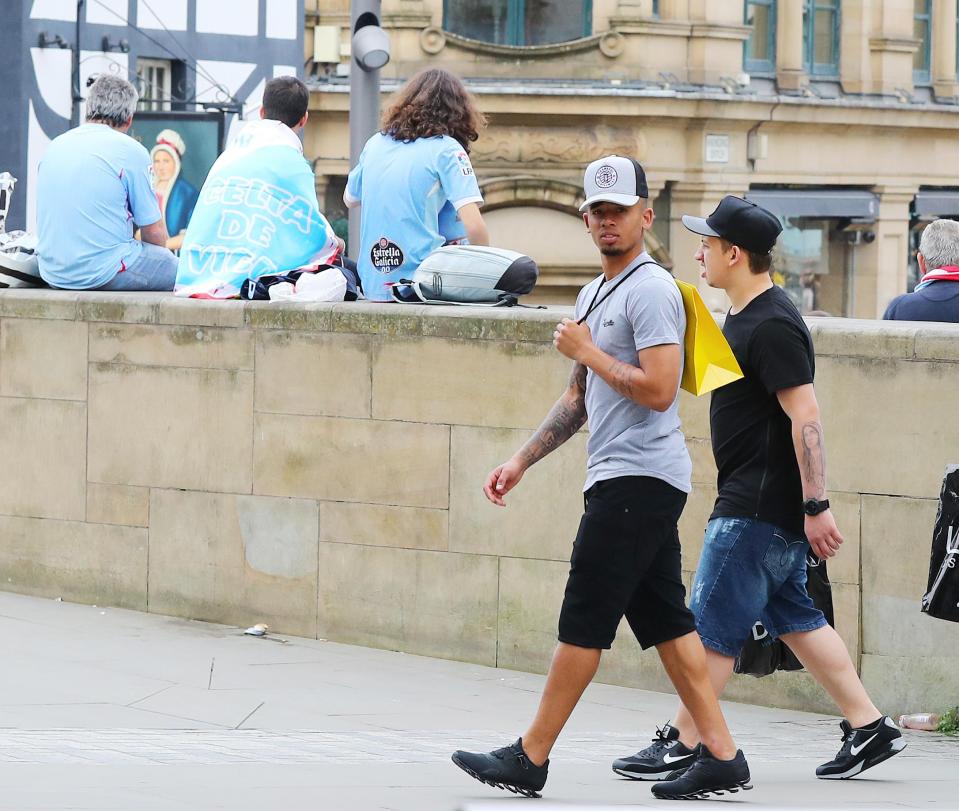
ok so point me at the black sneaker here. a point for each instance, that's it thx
(862, 748)
(507, 768)
(658, 761)
(706, 776)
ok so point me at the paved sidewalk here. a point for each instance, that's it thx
(110, 709)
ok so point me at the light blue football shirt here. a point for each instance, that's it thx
(403, 186)
(94, 188)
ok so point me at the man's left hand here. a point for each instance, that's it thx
(823, 534)
(572, 339)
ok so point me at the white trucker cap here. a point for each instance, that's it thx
(614, 179)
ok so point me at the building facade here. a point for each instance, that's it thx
(184, 55)
(839, 115)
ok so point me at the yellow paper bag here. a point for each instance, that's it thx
(709, 360)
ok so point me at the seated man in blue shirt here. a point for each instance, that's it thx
(94, 190)
(936, 297)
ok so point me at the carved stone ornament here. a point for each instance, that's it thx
(610, 43)
(432, 40)
(557, 144)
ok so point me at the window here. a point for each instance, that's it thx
(821, 37)
(519, 22)
(922, 30)
(155, 80)
(759, 56)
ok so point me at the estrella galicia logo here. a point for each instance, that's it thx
(386, 256)
(609, 323)
(606, 176)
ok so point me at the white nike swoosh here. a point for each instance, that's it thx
(857, 749)
(673, 758)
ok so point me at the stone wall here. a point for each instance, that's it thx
(319, 468)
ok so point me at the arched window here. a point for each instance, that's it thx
(519, 22)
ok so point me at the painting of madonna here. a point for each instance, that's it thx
(177, 195)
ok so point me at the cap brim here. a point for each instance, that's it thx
(627, 200)
(698, 226)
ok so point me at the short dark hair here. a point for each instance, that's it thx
(285, 99)
(758, 262)
(433, 102)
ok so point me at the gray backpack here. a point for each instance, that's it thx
(469, 275)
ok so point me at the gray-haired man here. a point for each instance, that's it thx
(934, 299)
(94, 189)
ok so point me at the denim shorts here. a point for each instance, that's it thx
(750, 570)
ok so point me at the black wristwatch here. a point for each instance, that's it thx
(813, 507)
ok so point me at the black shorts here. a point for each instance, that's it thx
(626, 561)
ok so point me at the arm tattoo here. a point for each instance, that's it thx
(565, 418)
(621, 378)
(814, 458)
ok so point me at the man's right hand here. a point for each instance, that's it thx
(503, 479)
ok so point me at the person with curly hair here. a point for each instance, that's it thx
(415, 183)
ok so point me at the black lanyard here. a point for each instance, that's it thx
(594, 304)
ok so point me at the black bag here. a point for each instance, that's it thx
(762, 655)
(942, 592)
(259, 289)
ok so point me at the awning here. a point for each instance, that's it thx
(938, 203)
(817, 203)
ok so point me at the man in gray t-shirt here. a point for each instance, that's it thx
(627, 348)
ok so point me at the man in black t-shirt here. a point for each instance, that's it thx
(772, 506)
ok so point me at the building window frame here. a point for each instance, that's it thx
(516, 16)
(155, 84)
(922, 75)
(762, 67)
(811, 66)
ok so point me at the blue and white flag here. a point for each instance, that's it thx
(257, 215)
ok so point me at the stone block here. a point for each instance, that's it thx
(43, 358)
(44, 451)
(896, 541)
(844, 566)
(125, 308)
(863, 337)
(427, 603)
(692, 523)
(336, 459)
(906, 684)
(890, 424)
(704, 466)
(628, 665)
(164, 427)
(530, 596)
(31, 303)
(234, 559)
(195, 312)
(436, 321)
(384, 525)
(795, 690)
(938, 342)
(543, 511)
(476, 378)
(118, 504)
(84, 563)
(694, 413)
(314, 317)
(894, 626)
(187, 346)
(313, 373)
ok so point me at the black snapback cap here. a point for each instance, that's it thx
(740, 222)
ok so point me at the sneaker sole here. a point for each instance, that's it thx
(893, 748)
(704, 794)
(526, 792)
(646, 775)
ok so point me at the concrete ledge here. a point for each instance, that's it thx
(319, 467)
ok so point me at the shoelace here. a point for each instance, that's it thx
(660, 742)
(509, 750)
